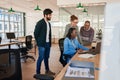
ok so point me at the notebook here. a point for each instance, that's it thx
(80, 66)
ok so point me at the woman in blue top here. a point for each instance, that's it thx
(71, 44)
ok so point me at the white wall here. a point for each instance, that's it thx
(31, 20)
(110, 58)
(33, 17)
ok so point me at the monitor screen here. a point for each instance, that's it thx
(10, 35)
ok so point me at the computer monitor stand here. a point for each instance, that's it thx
(10, 40)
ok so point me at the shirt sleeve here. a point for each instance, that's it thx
(81, 31)
(78, 36)
(92, 35)
(67, 50)
(37, 30)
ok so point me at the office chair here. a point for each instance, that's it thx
(29, 46)
(43, 77)
(63, 57)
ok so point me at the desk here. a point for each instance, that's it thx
(17, 74)
(7, 44)
(95, 59)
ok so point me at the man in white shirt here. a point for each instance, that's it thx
(42, 35)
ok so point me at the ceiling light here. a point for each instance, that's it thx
(37, 8)
(11, 10)
(80, 7)
(85, 10)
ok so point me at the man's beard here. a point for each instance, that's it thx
(48, 19)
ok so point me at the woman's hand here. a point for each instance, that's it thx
(79, 50)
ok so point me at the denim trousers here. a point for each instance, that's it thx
(44, 53)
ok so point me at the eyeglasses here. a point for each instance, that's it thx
(75, 22)
(87, 25)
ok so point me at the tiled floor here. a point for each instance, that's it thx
(28, 69)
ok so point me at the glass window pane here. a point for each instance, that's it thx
(1, 16)
(15, 17)
(6, 26)
(11, 23)
(19, 27)
(0, 26)
(19, 18)
(11, 27)
(15, 27)
(6, 17)
(11, 17)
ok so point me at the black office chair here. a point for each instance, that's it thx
(43, 77)
(29, 46)
(63, 57)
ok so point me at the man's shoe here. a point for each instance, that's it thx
(49, 73)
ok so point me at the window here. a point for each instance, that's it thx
(0, 26)
(6, 17)
(5, 26)
(1, 16)
(11, 23)
(0, 34)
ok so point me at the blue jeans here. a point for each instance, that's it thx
(43, 54)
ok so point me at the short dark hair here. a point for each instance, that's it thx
(69, 32)
(87, 21)
(47, 11)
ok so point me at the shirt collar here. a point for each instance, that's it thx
(45, 20)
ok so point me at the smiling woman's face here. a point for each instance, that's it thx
(87, 25)
(74, 34)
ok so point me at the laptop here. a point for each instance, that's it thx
(96, 47)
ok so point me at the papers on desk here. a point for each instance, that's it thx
(86, 55)
(78, 72)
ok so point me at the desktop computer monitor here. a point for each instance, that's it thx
(10, 35)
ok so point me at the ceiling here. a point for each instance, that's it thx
(28, 5)
(91, 10)
(68, 2)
